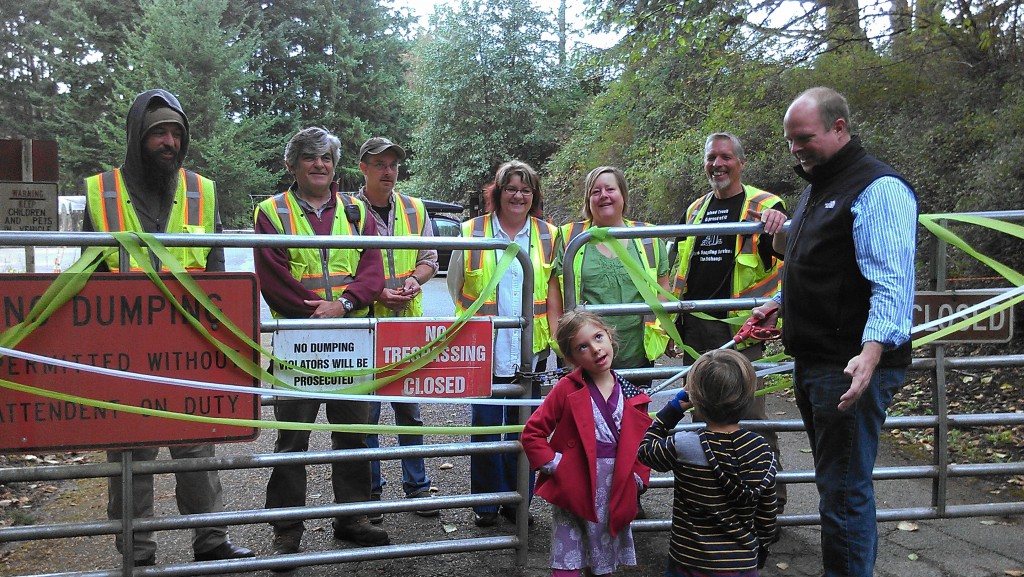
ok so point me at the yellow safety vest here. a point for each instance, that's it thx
(479, 267)
(399, 264)
(193, 212)
(655, 337)
(749, 278)
(326, 277)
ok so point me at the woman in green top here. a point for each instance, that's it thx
(602, 279)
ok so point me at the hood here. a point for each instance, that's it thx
(133, 153)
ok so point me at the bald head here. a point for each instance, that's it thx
(816, 126)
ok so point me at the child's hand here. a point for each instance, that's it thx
(682, 400)
(549, 467)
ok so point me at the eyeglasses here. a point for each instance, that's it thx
(512, 191)
(385, 166)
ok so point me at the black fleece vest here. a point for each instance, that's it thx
(825, 297)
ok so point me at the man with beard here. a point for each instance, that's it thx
(728, 266)
(151, 192)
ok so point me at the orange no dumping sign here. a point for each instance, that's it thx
(123, 322)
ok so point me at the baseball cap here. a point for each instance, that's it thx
(161, 115)
(379, 144)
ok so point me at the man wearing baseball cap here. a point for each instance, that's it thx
(405, 271)
(151, 192)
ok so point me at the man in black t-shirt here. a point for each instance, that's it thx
(717, 266)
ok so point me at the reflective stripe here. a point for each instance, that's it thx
(193, 198)
(110, 209)
(476, 257)
(748, 269)
(110, 187)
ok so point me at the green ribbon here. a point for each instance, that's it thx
(648, 287)
(287, 425)
(71, 282)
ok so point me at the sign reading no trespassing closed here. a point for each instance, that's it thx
(124, 322)
(461, 369)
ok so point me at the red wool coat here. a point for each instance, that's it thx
(566, 416)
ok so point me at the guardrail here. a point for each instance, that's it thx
(940, 471)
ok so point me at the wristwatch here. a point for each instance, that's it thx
(349, 305)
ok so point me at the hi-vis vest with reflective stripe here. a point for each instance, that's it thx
(749, 277)
(655, 337)
(327, 278)
(410, 220)
(193, 212)
(480, 267)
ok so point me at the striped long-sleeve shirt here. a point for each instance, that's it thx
(724, 505)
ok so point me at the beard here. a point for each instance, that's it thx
(720, 184)
(160, 173)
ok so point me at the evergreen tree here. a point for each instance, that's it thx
(483, 82)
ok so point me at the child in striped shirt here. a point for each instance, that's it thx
(724, 509)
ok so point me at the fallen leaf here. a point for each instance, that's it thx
(782, 566)
(907, 526)
(805, 450)
(449, 528)
(912, 557)
(1014, 572)
(446, 466)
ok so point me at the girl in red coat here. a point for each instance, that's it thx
(584, 439)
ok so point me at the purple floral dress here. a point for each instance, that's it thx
(577, 543)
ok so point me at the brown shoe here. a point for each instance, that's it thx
(425, 494)
(358, 530)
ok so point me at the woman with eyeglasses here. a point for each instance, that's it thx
(513, 204)
(601, 278)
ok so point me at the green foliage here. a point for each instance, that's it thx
(231, 149)
(333, 64)
(484, 88)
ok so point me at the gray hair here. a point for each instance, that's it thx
(737, 146)
(313, 140)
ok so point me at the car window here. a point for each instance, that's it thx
(448, 227)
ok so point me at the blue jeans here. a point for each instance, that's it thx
(414, 473)
(495, 473)
(845, 445)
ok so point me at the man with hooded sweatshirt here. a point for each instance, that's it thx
(151, 192)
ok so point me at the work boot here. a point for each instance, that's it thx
(424, 494)
(285, 543)
(358, 530)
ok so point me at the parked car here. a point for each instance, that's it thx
(447, 221)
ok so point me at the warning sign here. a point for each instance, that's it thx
(995, 328)
(123, 322)
(28, 206)
(325, 351)
(461, 369)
